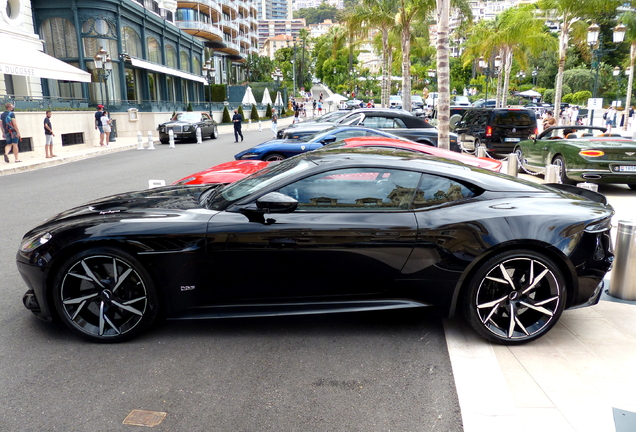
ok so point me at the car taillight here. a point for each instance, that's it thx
(592, 153)
(488, 131)
(536, 131)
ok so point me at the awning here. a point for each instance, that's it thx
(23, 58)
(166, 70)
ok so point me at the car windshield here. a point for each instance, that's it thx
(332, 116)
(416, 98)
(257, 181)
(189, 116)
(319, 135)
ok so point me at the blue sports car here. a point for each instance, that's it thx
(280, 149)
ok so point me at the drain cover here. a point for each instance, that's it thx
(144, 418)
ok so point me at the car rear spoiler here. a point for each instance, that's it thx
(585, 193)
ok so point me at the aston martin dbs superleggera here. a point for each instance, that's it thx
(350, 230)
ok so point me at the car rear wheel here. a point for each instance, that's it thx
(105, 295)
(515, 297)
(274, 157)
(164, 141)
(215, 133)
(562, 174)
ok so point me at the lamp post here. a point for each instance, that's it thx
(104, 67)
(520, 77)
(209, 70)
(277, 76)
(294, 77)
(617, 73)
(595, 41)
(485, 65)
(534, 77)
(432, 73)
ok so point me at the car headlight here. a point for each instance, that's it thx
(250, 156)
(33, 242)
(599, 226)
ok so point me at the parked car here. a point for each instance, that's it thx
(460, 101)
(583, 154)
(184, 127)
(456, 113)
(354, 231)
(280, 149)
(497, 129)
(490, 103)
(432, 99)
(353, 104)
(224, 173)
(396, 122)
(395, 101)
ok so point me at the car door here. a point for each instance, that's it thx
(208, 125)
(351, 235)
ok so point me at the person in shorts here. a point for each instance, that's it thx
(48, 135)
(11, 132)
(98, 124)
(105, 121)
(274, 124)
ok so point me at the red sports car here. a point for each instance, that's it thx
(229, 172)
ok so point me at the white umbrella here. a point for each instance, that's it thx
(279, 99)
(266, 97)
(530, 93)
(335, 98)
(248, 98)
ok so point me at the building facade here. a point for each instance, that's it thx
(274, 9)
(276, 27)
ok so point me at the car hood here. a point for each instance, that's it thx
(147, 201)
(177, 123)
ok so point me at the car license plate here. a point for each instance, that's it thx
(512, 139)
(626, 168)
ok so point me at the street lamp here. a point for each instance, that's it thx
(535, 72)
(617, 73)
(485, 65)
(277, 76)
(104, 67)
(432, 73)
(294, 77)
(209, 70)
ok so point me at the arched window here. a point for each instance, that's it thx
(185, 61)
(154, 50)
(99, 33)
(196, 65)
(171, 57)
(60, 39)
(131, 42)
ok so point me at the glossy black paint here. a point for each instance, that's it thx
(185, 128)
(309, 262)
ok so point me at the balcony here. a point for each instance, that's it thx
(209, 7)
(229, 27)
(201, 29)
(244, 41)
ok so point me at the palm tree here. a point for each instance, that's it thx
(629, 20)
(380, 14)
(568, 12)
(443, 74)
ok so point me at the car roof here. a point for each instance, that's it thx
(357, 156)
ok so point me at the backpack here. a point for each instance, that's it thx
(605, 115)
(6, 125)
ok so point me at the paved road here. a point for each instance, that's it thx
(357, 372)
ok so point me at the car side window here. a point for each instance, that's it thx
(349, 134)
(435, 190)
(355, 189)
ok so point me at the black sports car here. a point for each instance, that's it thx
(184, 127)
(349, 230)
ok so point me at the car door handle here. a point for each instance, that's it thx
(387, 234)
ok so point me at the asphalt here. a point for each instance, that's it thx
(578, 377)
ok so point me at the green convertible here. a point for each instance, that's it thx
(584, 154)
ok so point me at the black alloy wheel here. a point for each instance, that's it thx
(561, 172)
(105, 295)
(515, 297)
(274, 157)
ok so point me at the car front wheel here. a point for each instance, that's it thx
(105, 295)
(274, 157)
(562, 174)
(515, 297)
(215, 133)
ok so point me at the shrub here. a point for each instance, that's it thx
(568, 98)
(254, 114)
(268, 111)
(218, 92)
(581, 97)
(189, 108)
(226, 115)
(240, 111)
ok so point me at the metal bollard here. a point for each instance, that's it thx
(623, 282)
(512, 169)
(551, 174)
(249, 124)
(481, 151)
(140, 141)
(151, 144)
(260, 126)
(199, 138)
(589, 186)
(171, 138)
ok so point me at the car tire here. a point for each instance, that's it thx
(105, 295)
(164, 141)
(215, 133)
(272, 157)
(632, 186)
(519, 155)
(515, 297)
(560, 162)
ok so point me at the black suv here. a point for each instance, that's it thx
(498, 129)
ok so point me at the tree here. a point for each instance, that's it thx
(629, 20)
(443, 74)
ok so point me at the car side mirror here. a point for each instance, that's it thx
(533, 137)
(328, 140)
(276, 202)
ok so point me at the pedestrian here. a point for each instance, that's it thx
(98, 124)
(274, 124)
(320, 106)
(105, 120)
(313, 111)
(237, 119)
(48, 135)
(305, 110)
(610, 119)
(296, 114)
(574, 116)
(549, 120)
(320, 96)
(11, 132)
